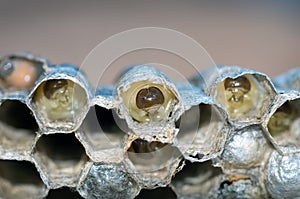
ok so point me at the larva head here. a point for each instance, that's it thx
(149, 102)
(243, 96)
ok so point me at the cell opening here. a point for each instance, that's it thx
(285, 118)
(64, 150)
(200, 126)
(151, 155)
(159, 193)
(19, 179)
(60, 103)
(246, 96)
(16, 114)
(104, 128)
(19, 172)
(63, 192)
(195, 118)
(196, 179)
(196, 170)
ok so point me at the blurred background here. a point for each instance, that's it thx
(261, 35)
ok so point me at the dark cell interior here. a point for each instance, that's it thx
(19, 172)
(61, 147)
(63, 193)
(158, 193)
(195, 169)
(109, 121)
(16, 114)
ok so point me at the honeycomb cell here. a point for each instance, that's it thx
(17, 128)
(149, 102)
(202, 132)
(196, 179)
(20, 72)
(245, 97)
(60, 104)
(284, 121)
(20, 179)
(63, 192)
(156, 154)
(17, 115)
(102, 133)
(60, 157)
(108, 181)
(152, 163)
(245, 148)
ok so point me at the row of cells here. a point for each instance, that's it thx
(20, 179)
(242, 95)
(152, 102)
(245, 95)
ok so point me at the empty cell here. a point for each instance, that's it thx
(20, 179)
(103, 128)
(61, 149)
(16, 114)
(17, 127)
(155, 155)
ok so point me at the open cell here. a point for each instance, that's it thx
(61, 157)
(202, 132)
(284, 123)
(152, 163)
(20, 179)
(195, 179)
(60, 104)
(245, 97)
(103, 128)
(17, 126)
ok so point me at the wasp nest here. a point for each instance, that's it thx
(234, 135)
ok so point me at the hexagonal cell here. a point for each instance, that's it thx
(102, 133)
(283, 123)
(59, 104)
(152, 163)
(63, 192)
(159, 193)
(148, 101)
(17, 128)
(245, 148)
(60, 157)
(148, 94)
(107, 181)
(196, 180)
(20, 179)
(21, 71)
(202, 132)
(245, 96)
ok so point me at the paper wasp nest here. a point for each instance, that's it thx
(234, 135)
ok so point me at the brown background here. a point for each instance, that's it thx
(261, 35)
